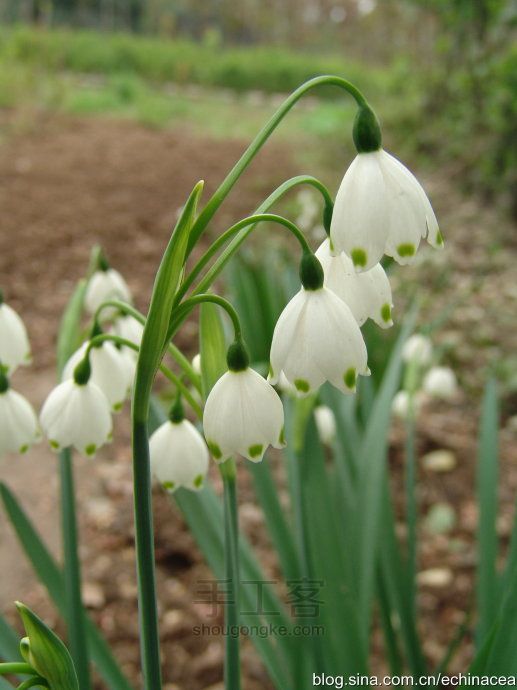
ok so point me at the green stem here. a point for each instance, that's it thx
(72, 573)
(232, 673)
(411, 506)
(16, 667)
(32, 683)
(224, 189)
(189, 304)
(175, 353)
(144, 542)
(251, 222)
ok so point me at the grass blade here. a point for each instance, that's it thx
(487, 481)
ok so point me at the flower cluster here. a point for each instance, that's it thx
(380, 209)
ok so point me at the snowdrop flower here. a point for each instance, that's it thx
(110, 371)
(105, 284)
(129, 328)
(14, 342)
(417, 349)
(316, 338)
(380, 206)
(77, 413)
(401, 404)
(179, 456)
(440, 382)
(243, 413)
(19, 428)
(368, 294)
(325, 423)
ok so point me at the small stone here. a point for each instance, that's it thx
(439, 461)
(435, 577)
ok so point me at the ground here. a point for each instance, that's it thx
(69, 183)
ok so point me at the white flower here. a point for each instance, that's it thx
(179, 456)
(381, 209)
(129, 328)
(440, 382)
(103, 286)
(317, 339)
(19, 427)
(417, 349)
(110, 371)
(14, 342)
(77, 415)
(368, 294)
(196, 364)
(400, 405)
(325, 423)
(243, 414)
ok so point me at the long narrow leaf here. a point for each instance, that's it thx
(9, 642)
(487, 480)
(51, 576)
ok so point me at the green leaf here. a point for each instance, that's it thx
(45, 652)
(9, 642)
(212, 346)
(69, 330)
(52, 578)
(155, 337)
(487, 481)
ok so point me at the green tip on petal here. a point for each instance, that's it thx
(215, 450)
(118, 406)
(256, 450)
(24, 448)
(168, 486)
(90, 449)
(386, 312)
(439, 239)
(350, 378)
(281, 437)
(198, 481)
(302, 385)
(55, 445)
(359, 257)
(404, 250)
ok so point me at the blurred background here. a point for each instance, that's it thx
(111, 110)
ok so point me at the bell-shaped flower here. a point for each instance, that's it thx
(381, 208)
(368, 294)
(179, 456)
(316, 338)
(243, 413)
(77, 413)
(403, 403)
(106, 284)
(417, 349)
(325, 423)
(19, 428)
(440, 382)
(110, 371)
(14, 342)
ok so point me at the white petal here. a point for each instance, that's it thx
(359, 221)
(285, 334)
(179, 456)
(18, 423)
(14, 341)
(104, 286)
(440, 382)
(417, 348)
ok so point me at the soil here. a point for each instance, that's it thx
(72, 182)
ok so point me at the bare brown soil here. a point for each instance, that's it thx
(70, 183)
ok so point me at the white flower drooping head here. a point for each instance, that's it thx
(110, 371)
(19, 428)
(417, 349)
(14, 342)
(316, 338)
(440, 382)
(380, 206)
(243, 413)
(179, 456)
(77, 413)
(105, 284)
(325, 423)
(368, 294)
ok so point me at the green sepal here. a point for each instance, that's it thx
(367, 131)
(311, 272)
(237, 356)
(45, 652)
